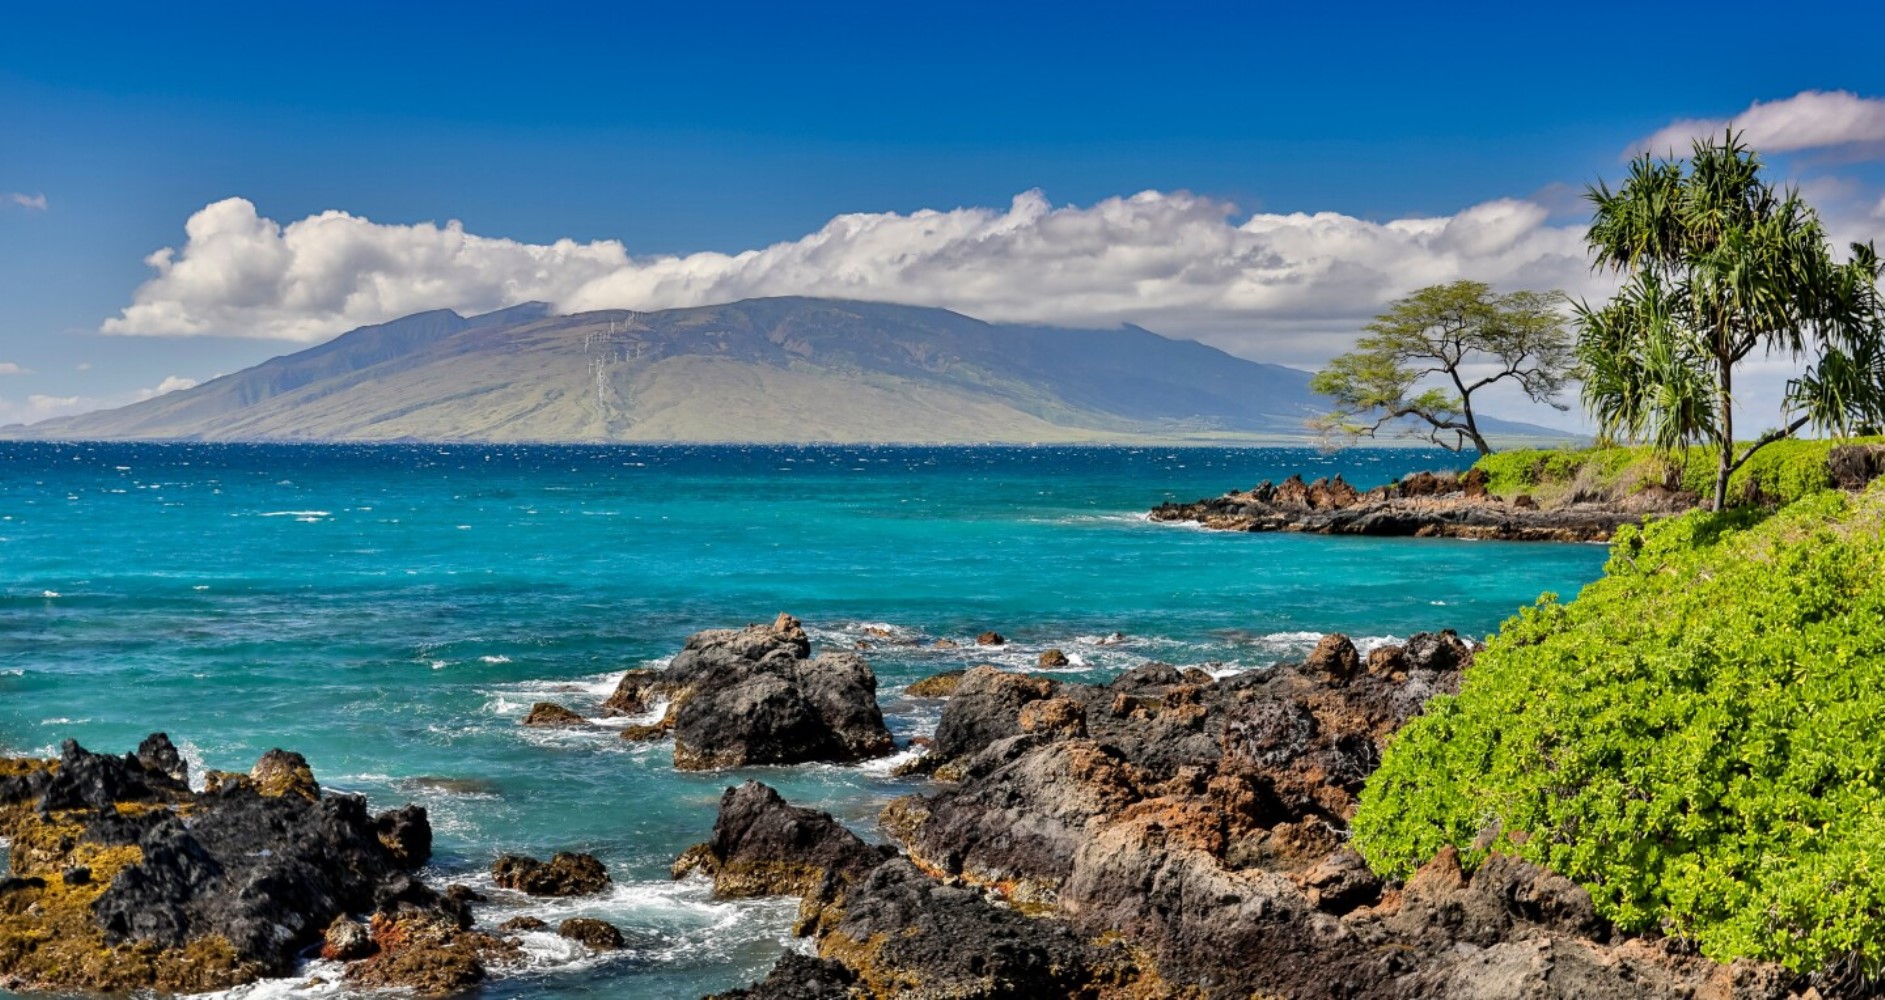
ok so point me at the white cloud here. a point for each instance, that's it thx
(1811, 119)
(171, 383)
(83, 366)
(1176, 262)
(30, 202)
(10, 368)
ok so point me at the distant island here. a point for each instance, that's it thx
(776, 370)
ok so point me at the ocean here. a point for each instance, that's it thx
(392, 611)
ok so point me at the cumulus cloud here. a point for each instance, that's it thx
(30, 202)
(10, 368)
(1811, 119)
(1174, 261)
(171, 383)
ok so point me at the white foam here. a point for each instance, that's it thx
(298, 514)
(49, 594)
(494, 659)
(438, 664)
(315, 978)
(885, 766)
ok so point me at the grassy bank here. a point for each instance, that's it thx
(1695, 738)
(1780, 473)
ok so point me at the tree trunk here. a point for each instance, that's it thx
(1472, 425)
(1724, 451)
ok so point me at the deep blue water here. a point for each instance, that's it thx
(391, 612)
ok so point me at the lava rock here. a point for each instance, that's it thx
(550, 715)
(597, 935)
(936, 685)
(565, 874)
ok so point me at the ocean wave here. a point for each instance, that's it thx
(500, 658)
(297, 514)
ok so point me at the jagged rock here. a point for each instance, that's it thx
(1052, 658)
(991, 639)
(126, 880)
(550, 715)
(346, 940)
(597, 935)
(763, 847)
(427, 953)
(406, 833)
(798, 977)
(1421, 505)
(1334, 657)
(986, 707)
(523, 923)
(565, 874)
(737, 697)
(936, 685)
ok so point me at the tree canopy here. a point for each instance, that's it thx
(1719, 264)
(1424, 358)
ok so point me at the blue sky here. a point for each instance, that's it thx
(733, 127)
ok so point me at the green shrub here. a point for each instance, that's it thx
(1779, 473)
(1696, 738)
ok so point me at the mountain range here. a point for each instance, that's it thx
(761, 370)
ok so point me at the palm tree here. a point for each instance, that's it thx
(1720, 264)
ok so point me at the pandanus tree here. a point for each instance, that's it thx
(1719, 265)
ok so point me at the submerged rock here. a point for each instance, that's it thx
(125, 879)
(756, 695)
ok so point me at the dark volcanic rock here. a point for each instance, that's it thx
(1422, 505)
(565, 874)
(1200, 824)
(798, 977)
(985, 707)
(597, 935)
(129, 881)
(763, 847)
(757, 696)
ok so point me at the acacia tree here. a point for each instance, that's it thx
(1719, 264)
(1464, 338)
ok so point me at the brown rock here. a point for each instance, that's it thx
(282, 772)
(598, 935)
(346, 940)
(936, 685)
(1334, 657)
(524, 923)
(550, 715)
(991, 639)
(1053, 658)
(566, 874)
(1054, 717)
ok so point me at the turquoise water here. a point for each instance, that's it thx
(392, 611)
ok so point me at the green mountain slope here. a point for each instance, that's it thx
(763, 370)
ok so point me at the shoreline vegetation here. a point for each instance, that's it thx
(1562, 494)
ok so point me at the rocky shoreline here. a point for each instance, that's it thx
(1164, 834)
(1172, 835)
(1424, 505)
